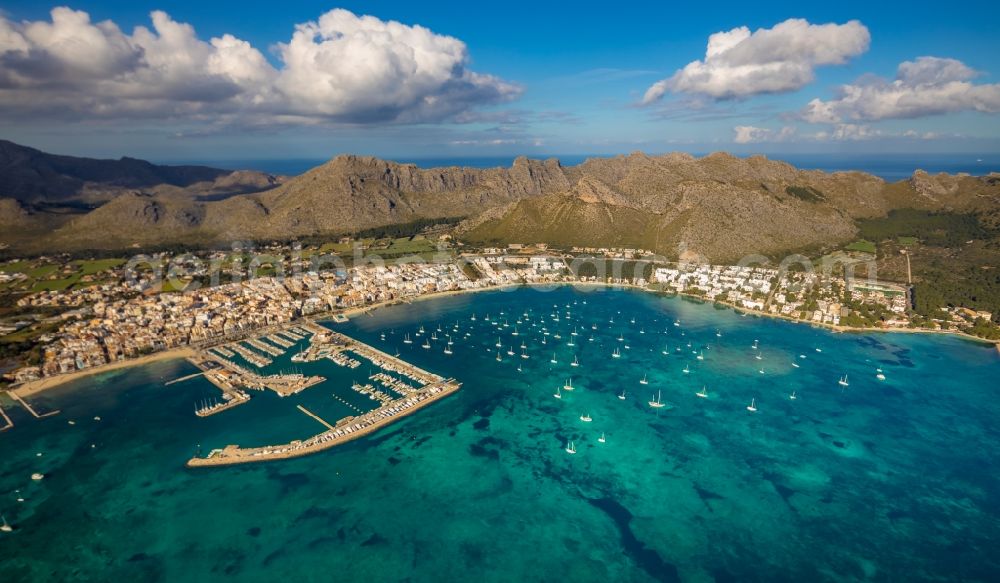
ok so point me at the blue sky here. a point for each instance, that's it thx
(535, 79)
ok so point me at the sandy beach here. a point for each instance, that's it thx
(34, 387)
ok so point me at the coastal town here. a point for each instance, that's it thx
(124, 318)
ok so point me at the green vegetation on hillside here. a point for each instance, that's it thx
(405, 229)
(933, 228)
(973, 287)
(806, 193)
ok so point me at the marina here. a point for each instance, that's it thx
(833, 468)
(324, 344)
(347, 429)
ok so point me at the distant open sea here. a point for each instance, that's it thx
(890, 167)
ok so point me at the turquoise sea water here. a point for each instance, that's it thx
(881, 480)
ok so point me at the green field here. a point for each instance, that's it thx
(90, 267)
(862, 245)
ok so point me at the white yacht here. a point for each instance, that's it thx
(602, 439)
(843, 381)
(586, 418)
(752, 407)
(656, 403)
(622, 396)
(644, 380)
(703, 393)
(570, 448)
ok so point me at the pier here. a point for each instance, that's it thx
(231, 378)
(316, 417)
(7, 422)
(230, 399)
(184, 378)
(347, 429)
(31, 409)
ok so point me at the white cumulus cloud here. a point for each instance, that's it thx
(923, 87)
(342, 67)
(753, 134)
(740, 64)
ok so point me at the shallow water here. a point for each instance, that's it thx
(881, 480)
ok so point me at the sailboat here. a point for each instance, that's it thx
(524, 354)
(426, 344)
(701, 355)
(498, 356)
(687, 369)
(407, 340)
(553, 360)
(752, 407)
(586, 418)
(795, 364)
(447, 350)
(576, 362)
(843, 381)
(622, 396)
(656, 403)
(570, 448)
(616, 354)
(879, 374)
(569, 384)
(718, 334)
(666, 350)
(5, 527)
(510, 351)
(755, 342)
(792, 396)
(602, 439)
(758, 356)
(558, 393)
(703, 393)
(643, 381)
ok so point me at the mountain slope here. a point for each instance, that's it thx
(719, 206)
(30, 175)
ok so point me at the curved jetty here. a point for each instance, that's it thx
(334, 346)
(347, 429)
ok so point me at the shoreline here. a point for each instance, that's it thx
(34, 387)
